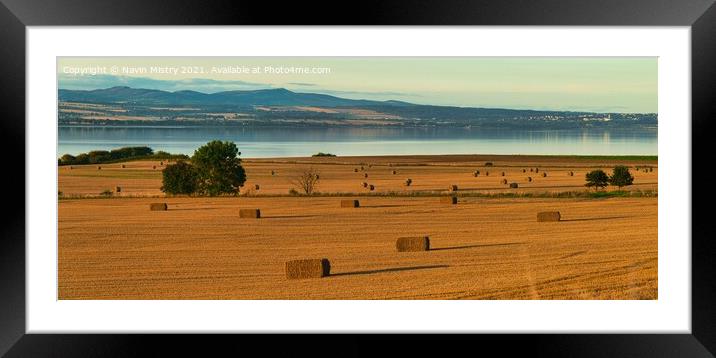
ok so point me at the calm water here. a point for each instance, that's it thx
(295, 142)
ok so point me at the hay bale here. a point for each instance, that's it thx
(118, 189)
(70, 167)
(452, 187)
(571, 174)
(651, 170)
(503, 173)
(154, 167)
(257, 187)
(273, 173)
(318, 177)
(536, 170)
(524, 170)
(513, 186)
(503, 181)
(99, 168)
(452, 200)
(123, 166)
(488, 164)
(158, 207)
(250, 213)
(372, 187)
(476, 173)
(408, 182)
(350, 203)
(531, 170)
(529, 179)
(355, 170)
(365, 175)
(548, 216)
(161, 163)
(310, 268)
(365, 185)
(395, 172)
(362, 168)
(420, 243)
(544, 174)
(487, 174)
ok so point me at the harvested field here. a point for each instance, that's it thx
(480, 249)
(428, 173)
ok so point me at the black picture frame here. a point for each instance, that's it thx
(16, 15)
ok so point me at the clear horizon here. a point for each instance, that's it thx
(590, 84)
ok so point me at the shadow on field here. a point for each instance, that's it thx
(473, 246)
(288, 217)
(397, 269)
(597, 219)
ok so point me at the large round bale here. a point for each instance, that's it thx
(651, 170)
(503, 181)
(420, 243)
(250, 213)
(371, 187)
(158, 207)
(309, 268)
(452, 187)
(365, 185)
(355, 170)
(487, 174)
(161, 163)
(532, 170)
(273, 173)
(529, 179)
(118, 189)
(123, 166)
(365, 175)
(536, 170)
(548, 216)
(571, 174)
(452, 200)
(503, 173)
(544, 174)
(476, 173)
(395, 172)
(99, 168)
(350, 203)
(70, 167)
(362, 168)
(513, 186)
(154, 167)
(524, 170)
(257, 187)
(408, 182)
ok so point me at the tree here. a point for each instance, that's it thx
(621, 177)
(597, 179)
(307, 181)
(219, 168)
(180, 178)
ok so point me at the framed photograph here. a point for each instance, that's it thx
(523, 178)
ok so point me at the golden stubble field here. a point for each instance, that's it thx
(482, 248)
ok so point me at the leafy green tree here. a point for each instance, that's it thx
(597, 179)
(621, 177)
(67, 159)
(180, 178)
(219, 168)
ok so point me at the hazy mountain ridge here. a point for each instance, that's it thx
(282, 106)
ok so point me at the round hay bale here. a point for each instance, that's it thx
(544, 174)
(524, 170)
(503, 173)
(503, 181)
(355, 170)
(531, 170)
(161, 163)
(99, 168)
(548, 216)
(476, 173)
(452, 200)
(536, 170)
(408, 182)
(123, 166)
(158, 207)
(421, 243)
(487, 174)
(273, 173)
(311, 268)
(529, 179)
(118, 189)
(365, 175)
(250, 213)
(651, 170)
(350, 203)
(154, 167)
(365, 185)
(395, 172)
(70, 167)
(452, 187)
(257, 187)
(571, 174)
(372, 187)
(514, 185)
